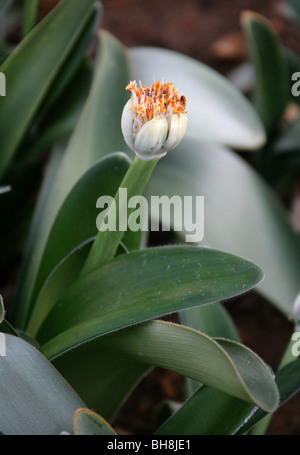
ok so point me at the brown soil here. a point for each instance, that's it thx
(206, 30)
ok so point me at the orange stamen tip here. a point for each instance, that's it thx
(161, 98)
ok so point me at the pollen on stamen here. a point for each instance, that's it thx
(161, 99)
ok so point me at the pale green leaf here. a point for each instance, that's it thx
(115, 362)
(242, 214)
(87, 422)
(34, 398)
(217, 112)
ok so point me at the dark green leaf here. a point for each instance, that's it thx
(72, 64)
(79, 207)
(288, 383)
(271, 92)
(66, 272)
(97, 134)
(59, 124)
(142, 285)
(32, 67)
(208, 412)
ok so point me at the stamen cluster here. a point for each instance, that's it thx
(160, 99)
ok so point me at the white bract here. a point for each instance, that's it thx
(153, 120)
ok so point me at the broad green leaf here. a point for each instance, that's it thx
(34, 398)
(79, 207)
(208, 412)
(217, 112)
(98, 131)
(289, 354)
(114, 362)
(6, 327)
(287, 358)
(71, 65)
(143, 285)
(32, 67)
(242, 214)
(59, 123)
(62, 276)
(97, 134)
(214, 321)
(3, 55)
(18, 312)
(288, 383)
(166, 409)
(271, 94)
(87, 422)
(65, 273)
(16, 210)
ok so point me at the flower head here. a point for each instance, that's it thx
(153, 120)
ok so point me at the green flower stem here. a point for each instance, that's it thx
(30, 15)
(106, 243)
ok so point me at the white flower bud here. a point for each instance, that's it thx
(153, 120)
